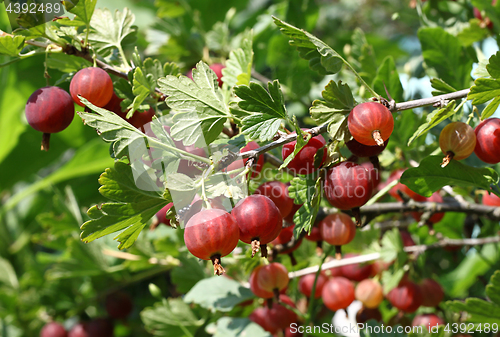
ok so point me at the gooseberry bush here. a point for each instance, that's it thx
(195, 144)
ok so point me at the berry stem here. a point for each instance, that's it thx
(45, 142)
(357, 215)
(446, 160)
(293, 260)
(338, 252)
(276, 293)
(263, 250)
(377, 137)
(218, 269)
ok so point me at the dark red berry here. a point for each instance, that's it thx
(92, 83)
(436, 217)
(357, 271)
(430, 321)
(262, 318)
(162, 213)
(211, 235)
(366, 314)
(362, 150)
(259, 221)
(406, 296)
(281, 315)
(407, 239)
(289, 217)
(370, 123)
(53, 329)
(306, 283)
(396, 175)
(303, 162)
(49, 110)
(488, 140)
(432, 293)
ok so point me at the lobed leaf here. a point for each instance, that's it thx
(238, 68)
(11, 45)
(433, 119)
(238, 327)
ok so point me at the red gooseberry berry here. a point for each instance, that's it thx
(284, 238)
(337, 229)
(306, 284)
(49, 110)
(303, 162)
(396, 175)
(281, 315)
(256, 168)
(432, 292)
(53, 329)
(457, 141)
(338, 293)
(406, 296)
(210, 235)
(491, 200)
(118, 305)
(261, 317)
(93, 84)
(436, 217)
(254, 285)
(485, 22)
(488, 140)
(272, 277)
(370, 293)
(366, 314)
(373, 172)
(370, 123)
(278, 193)
(259, 221)
(406, 237)
(161, 215)
(348, 186)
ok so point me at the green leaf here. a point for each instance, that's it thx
(239, 327)
(392, 247)
(493, 66)
(170, 318)
(222, 295)
(84, 9)
(441, 87)
(321, 57)
(201, 111)
(391, 280)
(131, 212)
(429, 176)
(338, 101)
(66, 63)
(490, 108)
(443, 52)
(493, 288)
(308, 192)
(299, 143)
(11, 45)
(110, 30)
(479, 310)
(188, 274)
(483, 90)
(433, 119)
(266, 109)
(143, 86)
(363, 56)
(8, 275)
(238, 68)
(472, 33)
(388, 74)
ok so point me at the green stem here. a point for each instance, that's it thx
(124, 58)
(160, 145)
(311, 299)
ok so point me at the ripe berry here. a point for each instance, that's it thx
(436, 217)
(338, 293)
(210, 235)
(272, 277)
(285, 236)
(259, 221)
(254, 285)
(432, 293)
(407, 239)
(118, 305)
(491, 200)
(199, 205)
(53, 329)
(49, 110)
(374, 174)
(357, 271)
(306, 283)
(488, 140)
(406, 296)
(348, 186)
(315, 236)
(361, 150)
(190, 167)
(278, 193)
(428, 320)
(486, 21)
(457, 141)
(370, 123)
(303, 162)
(261, 317)
(369, 292)
(139, 119)
(256, 168)
(337, 229)
(79, 330)
(100, 327)
(160, 216)
(92, 83)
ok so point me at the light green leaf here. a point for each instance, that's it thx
(131, 212)
(443, 52)
(493, 288)
(391, 280)
(239, 327)
(8, 275)
(170, 318)
(143, 86)
(363, 56)
(110, 30)
(260, 126)
(256, 99)
(224, 294)
(433, 119)
(84, 9)
(11, 45)
(483, 90)
(429, 176)
(473, 32)
(441, 87)
(490, 108)
(338, 101)
(493, 65)
(66, 63)
(239, 65)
